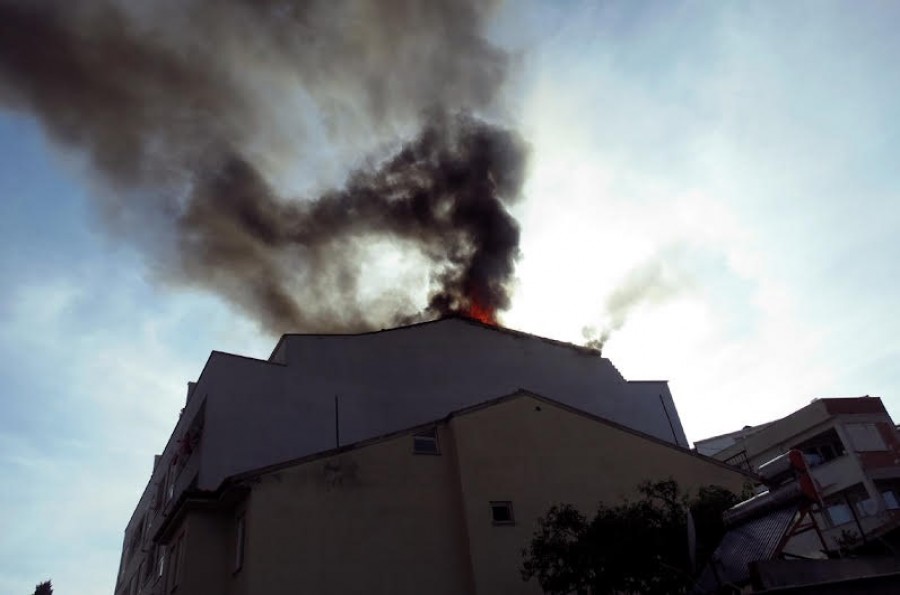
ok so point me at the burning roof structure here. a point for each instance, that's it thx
(320, 394)
(317, 391)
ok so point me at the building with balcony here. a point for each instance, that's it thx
(853, 450)
(316, 459)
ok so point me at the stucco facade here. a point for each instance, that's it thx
(377, 517)
(319, 391)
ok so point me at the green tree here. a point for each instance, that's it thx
(639, 546)
(44, 588)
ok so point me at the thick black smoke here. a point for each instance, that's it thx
(442, 192)
(184, 109)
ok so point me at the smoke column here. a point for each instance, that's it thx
(184, 108)
(650, 283)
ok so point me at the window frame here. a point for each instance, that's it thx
(508, 506)
(175, 555)
(844, 507)
(426, 437)
(149, 568)
(171, 475)
(159, 501)
(865, 437)
(160, 561)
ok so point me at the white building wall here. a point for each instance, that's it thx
(264, 412)
(256, 412)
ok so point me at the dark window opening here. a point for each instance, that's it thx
(159, 500)
(890, 493)
(502, 513)
(426, 443)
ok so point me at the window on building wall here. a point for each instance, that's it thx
(853, 502)
(240, 535)
(426, 443)
(137, 536)
(190, 440)
(839, 513)
(160, 561)
(149, 566)
(822, 448)
(174, 571)
(890, 493)
(864, 504)
(865, 437)
(170, 483)
(502, 513)
(159, 500)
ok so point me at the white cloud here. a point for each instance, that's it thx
(117, 356)
(702, 173)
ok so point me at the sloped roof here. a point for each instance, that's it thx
(454, 317)
(472, 409)
(200, 498)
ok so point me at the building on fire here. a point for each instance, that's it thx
(407, 460)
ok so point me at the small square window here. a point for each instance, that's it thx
(502, 513)
(426, 443)
(866, 507)
(840, 513)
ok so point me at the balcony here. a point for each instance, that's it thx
(837, 474)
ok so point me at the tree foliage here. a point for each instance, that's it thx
(638, 546)
(44, 588)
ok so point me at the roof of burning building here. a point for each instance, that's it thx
(472, 321)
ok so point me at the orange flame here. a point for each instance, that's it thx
(481, 313)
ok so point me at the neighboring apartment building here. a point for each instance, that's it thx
(716, 444)
(319, 392)
(853, 449)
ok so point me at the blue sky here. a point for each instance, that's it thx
(746, 151)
